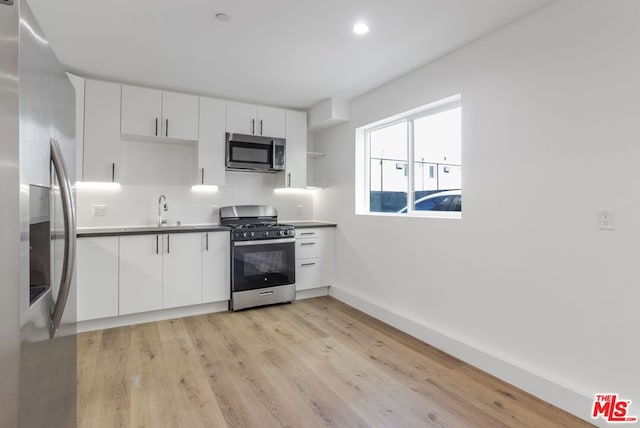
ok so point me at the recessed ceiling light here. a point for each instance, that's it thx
(361, 28)
(222, 17)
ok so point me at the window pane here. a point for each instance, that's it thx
(437, 161)
(388, 173)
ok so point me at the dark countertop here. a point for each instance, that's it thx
(309, 224)
(89, 232)
(92, 232)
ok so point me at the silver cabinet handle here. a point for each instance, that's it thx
(260, 126)
(307, 233)
(156, 126)
(157, 245)
(307, 243)
(206, 241)
(289, 180)
(68, 212)
(168, 244)
(113, 172)
(307, 264)
(253, 126)
(202, 179)
(166, 127)
(266, 293)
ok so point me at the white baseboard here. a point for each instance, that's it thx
(314, 292)
(560, 396)
(161, 315)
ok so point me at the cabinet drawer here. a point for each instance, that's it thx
(309, 274)
(307, 233)
(308, 248)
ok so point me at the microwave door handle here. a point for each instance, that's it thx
(68, 211)
(273, 154)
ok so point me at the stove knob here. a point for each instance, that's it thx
(266, 233)
(244, 234)
(251, 234)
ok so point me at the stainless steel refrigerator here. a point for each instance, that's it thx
(37, 228)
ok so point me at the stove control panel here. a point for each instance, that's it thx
(271, 233)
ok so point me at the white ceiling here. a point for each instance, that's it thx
(290, 53)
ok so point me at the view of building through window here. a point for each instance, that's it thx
(418, 156)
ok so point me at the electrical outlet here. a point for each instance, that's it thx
(99, 210)
(299, 208)
(215, 210)
(606, 219)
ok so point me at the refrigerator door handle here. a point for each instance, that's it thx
(68, 210)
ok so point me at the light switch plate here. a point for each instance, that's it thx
(99, 210)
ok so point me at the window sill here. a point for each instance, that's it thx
(427, 214)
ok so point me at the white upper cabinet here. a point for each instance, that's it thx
(101, 160)
(78, 85)
(295, 174)
(270, 122)
(141, 111)
(154, 113)
(211, 150)
(241, 118)
(255, 120)
(180, 116)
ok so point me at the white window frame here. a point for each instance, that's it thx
(363, 138)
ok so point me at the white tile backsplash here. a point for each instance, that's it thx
(135, 205)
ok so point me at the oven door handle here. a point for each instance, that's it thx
(264, 242)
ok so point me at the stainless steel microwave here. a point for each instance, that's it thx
(254, 153)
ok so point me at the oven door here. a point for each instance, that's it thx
(263, 264)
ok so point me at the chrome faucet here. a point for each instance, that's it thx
(162, 207)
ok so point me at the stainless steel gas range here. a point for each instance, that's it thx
(263, 270)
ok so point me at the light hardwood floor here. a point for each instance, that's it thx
(315, 362)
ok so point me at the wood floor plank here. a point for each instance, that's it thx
(315, 362)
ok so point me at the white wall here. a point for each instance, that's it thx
(152, 169)
(550, 134)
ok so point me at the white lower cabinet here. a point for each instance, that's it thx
(181, 266)
(140, 273)
(97, 278)
(314, 258)
(151, 272)
(309, 274)
(216, 266)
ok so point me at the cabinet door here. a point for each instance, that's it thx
(216, 265)
(271, 122)
(140, 274)
(241, 118)
(78, 85)
(179, 116)
(309, 274)
(296, 152)
(141, 111)
(211, 143)
(101, 131)
(181, 270)
(97, 277)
